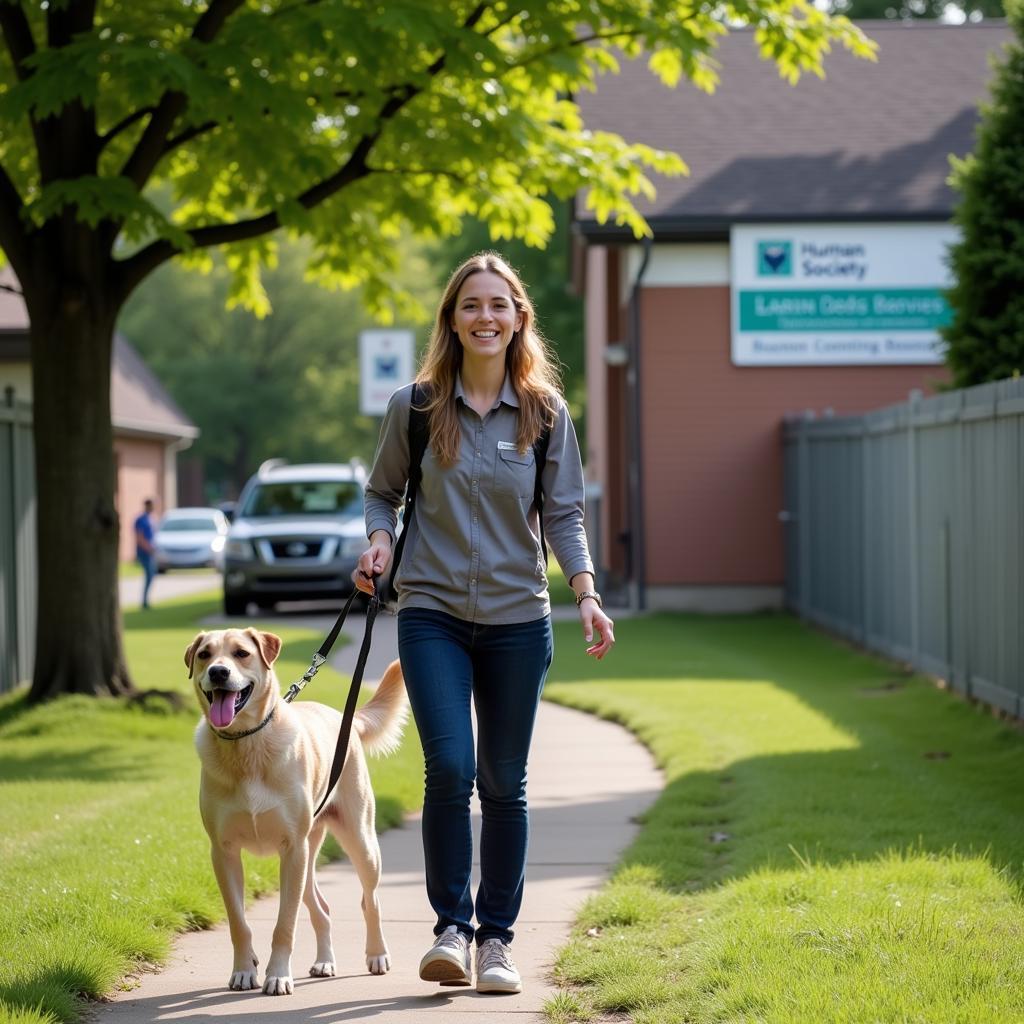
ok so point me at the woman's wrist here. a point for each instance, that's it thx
(381, 537)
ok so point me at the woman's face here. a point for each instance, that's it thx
(485, 317)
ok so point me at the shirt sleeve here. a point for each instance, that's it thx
(562, 484)
(385, 488)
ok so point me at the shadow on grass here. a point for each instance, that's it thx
(912, 767)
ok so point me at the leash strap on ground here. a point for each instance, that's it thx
(353, 694)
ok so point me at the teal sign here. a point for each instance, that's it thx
(866, 309)
(774, 259)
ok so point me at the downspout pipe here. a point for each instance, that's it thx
(638, 549)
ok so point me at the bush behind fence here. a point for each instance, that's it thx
(905, 533)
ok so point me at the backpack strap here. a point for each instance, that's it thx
(540, 457)
(419, 435)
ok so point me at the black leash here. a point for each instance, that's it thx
(320, 658)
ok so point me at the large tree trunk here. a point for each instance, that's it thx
(78, 638)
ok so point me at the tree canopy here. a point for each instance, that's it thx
(348, 122)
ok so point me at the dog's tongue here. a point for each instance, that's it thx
(222, 708)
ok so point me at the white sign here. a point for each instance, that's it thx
(385, 364)
(839, 294)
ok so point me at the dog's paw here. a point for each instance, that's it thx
(379, 963)
(278, 985)
(322, 969)
(242, 981)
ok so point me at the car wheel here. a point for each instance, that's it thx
(235, 604)
(265, 606)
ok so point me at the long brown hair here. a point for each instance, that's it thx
(529, 363)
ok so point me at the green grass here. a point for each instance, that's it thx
(102, 853)
(837, 841)
(558, 588)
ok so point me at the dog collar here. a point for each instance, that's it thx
(248, 732)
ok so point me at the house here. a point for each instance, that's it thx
(149, 428)
(799, 268)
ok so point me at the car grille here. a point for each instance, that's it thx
(296, 548)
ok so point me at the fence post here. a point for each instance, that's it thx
(804, 511)
(913, 538)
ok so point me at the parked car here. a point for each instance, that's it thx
(189, 538)
(297, 534)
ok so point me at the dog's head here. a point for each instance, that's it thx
(228, 667)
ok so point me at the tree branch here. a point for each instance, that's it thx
(18, 36)
(135, 268)
(578, 41)
(188, 134)
(126, 122)
(151, 146)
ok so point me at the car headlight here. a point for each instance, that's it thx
(353, 547)
(239, 549)
(217, 544)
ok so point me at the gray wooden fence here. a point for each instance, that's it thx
(905, 533)
(17, 543)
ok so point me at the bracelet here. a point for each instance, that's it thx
(584, 594)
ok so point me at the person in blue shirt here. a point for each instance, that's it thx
(145, 551)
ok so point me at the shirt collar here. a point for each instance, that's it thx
(506, 395)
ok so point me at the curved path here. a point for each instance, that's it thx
(588, 781)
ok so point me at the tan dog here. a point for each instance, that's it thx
(258, 792)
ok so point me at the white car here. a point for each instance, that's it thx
(189, 538)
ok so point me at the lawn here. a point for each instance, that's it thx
(838, 841)
(102, 854)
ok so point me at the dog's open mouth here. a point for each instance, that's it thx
(225, 704)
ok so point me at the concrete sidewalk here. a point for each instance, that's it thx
(588, 780)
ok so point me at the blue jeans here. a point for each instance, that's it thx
(447, 662)
(148, 562)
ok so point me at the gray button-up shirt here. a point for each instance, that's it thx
(473, 548)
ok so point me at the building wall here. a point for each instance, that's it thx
(712, 454)
(141, 474)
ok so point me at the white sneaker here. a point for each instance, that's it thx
(495, 969)
(448, 960)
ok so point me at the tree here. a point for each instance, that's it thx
(985, 339)
(299, 365)
(349, 121)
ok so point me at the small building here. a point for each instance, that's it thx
(799, 266)
(149, 427)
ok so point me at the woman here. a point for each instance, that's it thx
(473, 611)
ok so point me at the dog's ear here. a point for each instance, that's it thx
(268, 643)
(190, 651)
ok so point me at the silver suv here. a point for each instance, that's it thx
(297, 534)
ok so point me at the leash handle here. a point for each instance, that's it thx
(341, 749)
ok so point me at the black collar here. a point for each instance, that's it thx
(248, 732)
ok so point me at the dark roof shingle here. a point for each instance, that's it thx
(869, 140)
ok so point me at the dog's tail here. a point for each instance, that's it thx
(380, 720)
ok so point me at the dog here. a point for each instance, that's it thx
(258, 792)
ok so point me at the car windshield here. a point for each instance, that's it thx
(194, 523)
(306, 497)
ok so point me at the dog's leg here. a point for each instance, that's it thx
(294, 858)
(319, 911)
(360, 843)
(227, 866)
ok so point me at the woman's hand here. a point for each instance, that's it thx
(592, 617)
(373, 562)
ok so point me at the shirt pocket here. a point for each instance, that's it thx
(514, 473)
